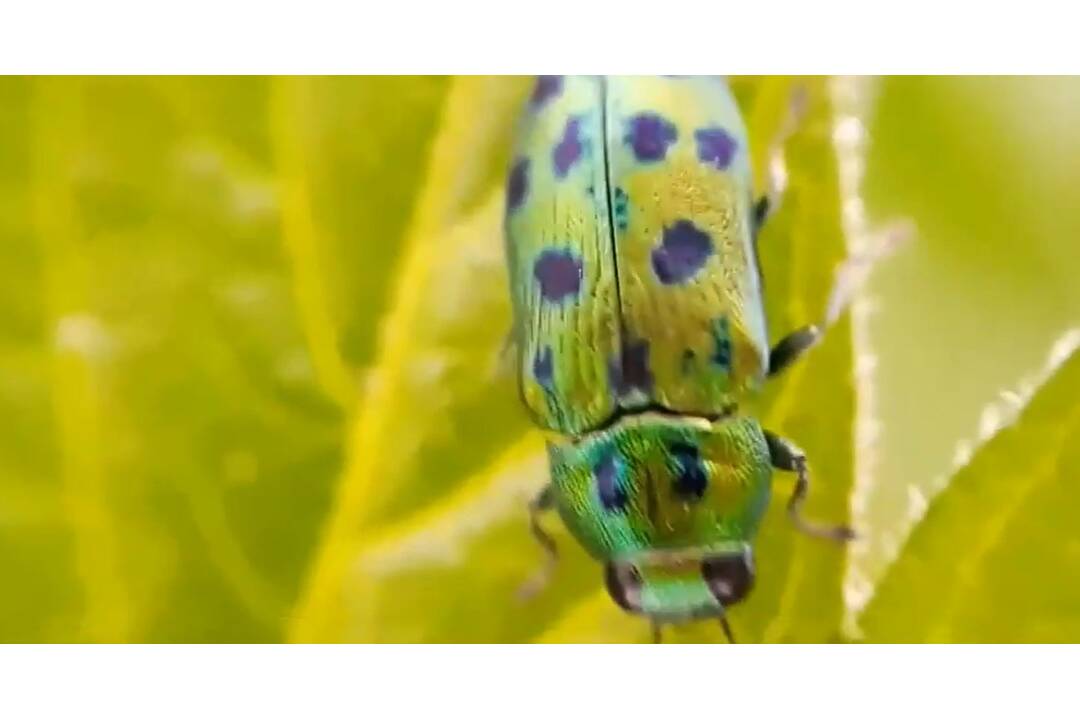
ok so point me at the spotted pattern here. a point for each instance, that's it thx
(683, 251)
(650, 135)
(544, 369)
(632, 371)
(518, 184)
(715, 147)
(569, 149)
(546, 88)
(611, 492)
(692, 480)
(559, 274)
(722, 339)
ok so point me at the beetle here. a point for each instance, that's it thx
(639, 324)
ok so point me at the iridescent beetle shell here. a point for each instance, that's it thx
(639, 325)
(659, 496)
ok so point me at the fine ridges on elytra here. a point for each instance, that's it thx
(640, 329)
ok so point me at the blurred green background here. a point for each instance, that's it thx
(250, 377)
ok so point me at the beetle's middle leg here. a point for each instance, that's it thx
(786, 456)
(544, 500)
(791, 347)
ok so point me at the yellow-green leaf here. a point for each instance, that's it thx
(175, 426)
(984, 166)
(994, 557)
(448, 570)
(437, 350)
(251, 334)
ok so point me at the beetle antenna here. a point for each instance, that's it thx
(727, 630)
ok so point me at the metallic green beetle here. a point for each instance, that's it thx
(639, 323)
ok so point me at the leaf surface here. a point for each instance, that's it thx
(996, 555)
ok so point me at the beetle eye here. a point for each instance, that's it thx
(624, 585)
(730, 577)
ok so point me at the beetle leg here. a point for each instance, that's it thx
(776, 174)
(791, 347)
(727, 630)
(544, 500)
(657, 636)
(786, 456)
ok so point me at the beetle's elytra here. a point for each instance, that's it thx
(639, 323)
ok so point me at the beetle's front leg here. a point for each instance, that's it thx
(786, 456)
(544, 500)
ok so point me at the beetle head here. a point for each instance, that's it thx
(685, 587)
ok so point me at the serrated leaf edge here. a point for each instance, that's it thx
(997, 415)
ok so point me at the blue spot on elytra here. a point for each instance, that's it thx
(650, 135)
(612, 494)
(631, 371)
(683, 251)
(691, 480)
(546, 87)
(559, 274)
(715, 147)
(620, 207)
(722, 338)
(518, 184)
(543, 368)
(568, 151)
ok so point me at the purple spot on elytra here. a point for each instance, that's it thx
(546, 87)
(543, 368)
(608, 487)
(559, 274)
(568, 151)
(518, 184)
(650, 135)
(715, 147)
(631, 371)
(682, 252)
